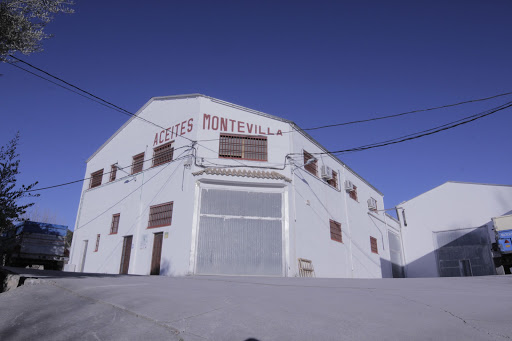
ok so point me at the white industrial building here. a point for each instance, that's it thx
(196, 185)
(448, 230)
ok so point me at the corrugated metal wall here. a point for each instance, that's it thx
(240, 233)
(458, 249)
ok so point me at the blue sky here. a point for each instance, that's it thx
(314, 63)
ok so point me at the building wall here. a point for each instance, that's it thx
(451, 206)
(309, 201)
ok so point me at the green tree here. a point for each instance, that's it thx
(10, 194)
(22, 24)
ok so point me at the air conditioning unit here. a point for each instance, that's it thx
(372, 204)
(349, 186)
(326, 172)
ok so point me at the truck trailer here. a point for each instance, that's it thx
(502, 248)
(33, 243)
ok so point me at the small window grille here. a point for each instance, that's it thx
(334, 181)
(160, 215)
(163, 154)
(96, 178)
(306, 268)
(373, 245)
(114, 226)
(243, 147)
(311, 167)
(137, 163)
(336, 231)
(113, 172)
(353, 193)
(97, 243)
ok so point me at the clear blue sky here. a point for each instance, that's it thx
(311, 62)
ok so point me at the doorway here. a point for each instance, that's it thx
(157, 254)
(125, 257)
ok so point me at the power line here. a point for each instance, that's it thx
(423, 133)
(121, 168)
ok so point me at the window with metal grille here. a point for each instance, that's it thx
(137, 163)
(243, 147)
(97, 243)
(312, 166)
(163, 154)
(160, 215)
(113, 172)
(114, 226)
(334, 181)
(336, 231)
(96, 178)
(373, 245)
(353, 193)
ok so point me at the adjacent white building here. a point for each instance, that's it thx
(195, 185)
(449, 229)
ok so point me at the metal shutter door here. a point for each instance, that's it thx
(240, 233)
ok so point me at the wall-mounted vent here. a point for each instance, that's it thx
(372, 204)
(349, 186)
(326, 172)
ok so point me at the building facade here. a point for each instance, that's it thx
(449, 229)
(196, 185)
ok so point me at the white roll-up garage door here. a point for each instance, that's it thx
(240, 233)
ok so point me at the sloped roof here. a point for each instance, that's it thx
(257, 174)
(454, 182)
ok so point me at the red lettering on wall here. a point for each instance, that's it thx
(279, 132)
(223, 124)
(156, 140)
(166, 134)
(160, 140)
(260, 132)
(249, 128)
(182, 131)
(232, 125)
(190, 125)
(268, 131)
(177, 129)
(206, 118)
(215, 123)
(241, 127)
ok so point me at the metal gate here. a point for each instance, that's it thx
(240, 233)
(395, 255)
(464, 252)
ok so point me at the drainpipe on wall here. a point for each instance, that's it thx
(136, 235)
(348, 228)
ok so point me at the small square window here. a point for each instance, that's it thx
(334, 181)
(137, 163)
(97, 243)
(160, 215)
(96, 179)
(373, 245)
(312, 166)
(114, 226)
(336, 231)
(113, 172)
(353, 193)
(163, 154)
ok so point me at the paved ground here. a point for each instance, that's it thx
(103, 307)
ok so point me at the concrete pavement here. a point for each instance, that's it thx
(105, 307)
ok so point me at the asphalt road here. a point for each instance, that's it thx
(104, 307)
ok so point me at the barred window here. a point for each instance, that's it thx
(353, 193)
(373, 245)
(334, 181)
(336, 231)
(137, 163)
(312, 166)
(96, 178)
(97, 243)
(160, 215)
(113, 172)
(163, 154)
(114, 226)
(243, 147)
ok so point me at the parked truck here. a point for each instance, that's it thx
(32, 243)
(502, 249)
